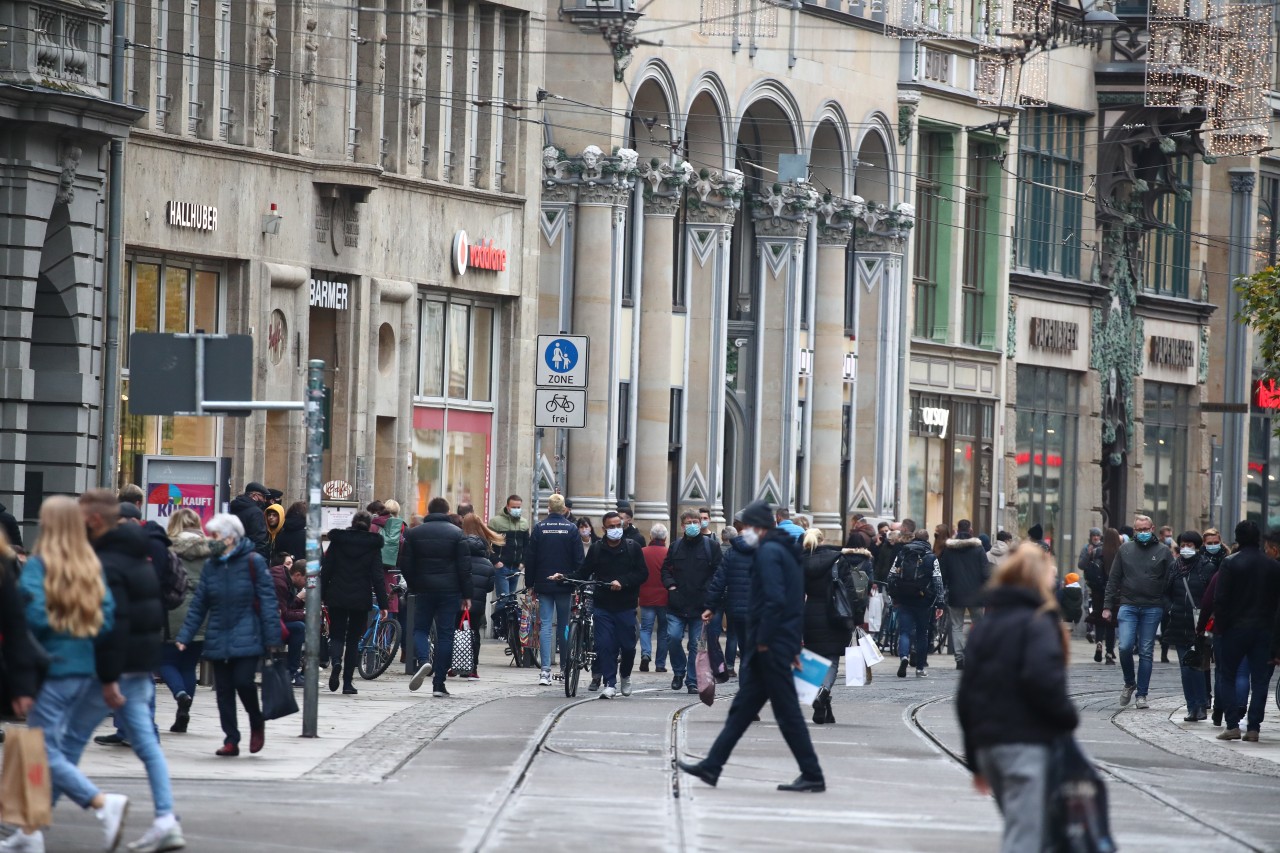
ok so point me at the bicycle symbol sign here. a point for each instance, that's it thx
(562, 361)
(559, 409)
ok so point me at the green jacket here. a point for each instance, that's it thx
(194, 550)
(516, 533)
(392, 536)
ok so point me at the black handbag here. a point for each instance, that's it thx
(1078, 812)
(277, 690)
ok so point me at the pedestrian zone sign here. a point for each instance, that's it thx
(562, 361)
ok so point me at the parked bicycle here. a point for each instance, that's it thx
(515, 620)
(580, 639)
(381, 641)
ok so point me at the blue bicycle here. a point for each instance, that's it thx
(381, 640)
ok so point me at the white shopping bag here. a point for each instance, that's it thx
(855, 671)
(867, 647)
(811, 676)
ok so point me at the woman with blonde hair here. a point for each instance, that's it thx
(178, 668)
(1012, 702)
(68, 608)
(823, 635)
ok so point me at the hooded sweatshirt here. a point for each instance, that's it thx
(274, 529)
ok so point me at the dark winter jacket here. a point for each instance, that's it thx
(238, 598)
(686, 572)
(68, 656)
(1139, 575)
(652, 592)
(292, 538)
(623, 563)
(515, 533)
(935, 594)
(730, 587)
(351, 571)
(775, 607)
(634, 535)
(9, 525)
(1090, 566)
(821, 634)
(194, 550)
(134, 643)
(885, 558)
(965, 570)
(19, 673)
(1248, 592)
(254, 520)
(292, 608)
(435, 558)
(1014, 685)
(1183, 601)
(554, 548)
(157, 545)
(480, 566)
(1071, 602)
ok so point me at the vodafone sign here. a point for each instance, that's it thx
(480, 255)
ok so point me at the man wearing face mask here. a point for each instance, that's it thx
(1135, 591)
(690, 563)
(771, 649)
(1214, 551)
(511, 523)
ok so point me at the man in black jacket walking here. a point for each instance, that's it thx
(618, 562)
(250, 509)
(775, 624)
(690, 564)
(1244, 615)
(436, 562)
(965, 570)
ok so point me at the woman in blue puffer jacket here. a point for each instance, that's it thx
(237, 596)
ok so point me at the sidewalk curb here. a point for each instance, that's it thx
(1155, 728)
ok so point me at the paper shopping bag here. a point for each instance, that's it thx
(25, 787)
(855, 671)
(869, 652)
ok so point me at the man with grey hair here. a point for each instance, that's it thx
(1135, 593)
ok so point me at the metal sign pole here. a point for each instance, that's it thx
(315, 450)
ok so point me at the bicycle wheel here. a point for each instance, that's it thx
(514, 646)
(380, 651)
(572, 666)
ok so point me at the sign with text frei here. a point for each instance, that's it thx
(561, 376)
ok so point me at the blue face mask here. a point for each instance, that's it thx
(514, 512)
(1213, 549)
(692, 529)
(1144, 537)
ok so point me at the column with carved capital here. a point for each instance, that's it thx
(782, 225)
(879, 395)
(827, 393)
(604, 189)
(711, 205)
(663, 186)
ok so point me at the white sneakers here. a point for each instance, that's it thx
(420, 676)
(544, 678)
(608, 693)
(21, 842)
(1141, 704)
(112, 814)
(165, 834)
(624, 686)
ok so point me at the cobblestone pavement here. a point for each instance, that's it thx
(506, 765)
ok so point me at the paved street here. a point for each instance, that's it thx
(505, 765)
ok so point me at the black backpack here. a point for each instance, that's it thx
(914, 578)
(173, 582)
(848, 602)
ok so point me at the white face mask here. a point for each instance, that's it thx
(585, 534)
(750, 537)
(614, 533)
(514, 512)
(1187, 553)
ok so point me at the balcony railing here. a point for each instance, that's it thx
(56, 45)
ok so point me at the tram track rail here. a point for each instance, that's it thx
(1113, 773)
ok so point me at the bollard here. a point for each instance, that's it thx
(410, 652)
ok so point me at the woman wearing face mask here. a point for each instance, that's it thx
(237, 596)
(1187, 582)
(1214, 551)
(587, 534)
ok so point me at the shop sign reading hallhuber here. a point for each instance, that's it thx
(1061, 335)
(187, 214)
(329, 294)
(1172, 352)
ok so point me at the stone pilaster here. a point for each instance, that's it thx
(712, 203)
(827, 390)
(663, 187)
(782, 224)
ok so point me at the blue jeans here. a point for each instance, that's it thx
(297, 636)
(615, 638)
(651, 617)
(502, 581)
(1137, 627)
(1193, 688)
(139, 690)
(178, 668)
(64, 706)
(442, 608)
(913, 634)
(733, 627)
(1252, 645)
(677, 627)
(1221, 677)
(552, 606)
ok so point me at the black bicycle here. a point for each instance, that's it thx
(510, 612)
(580, 639)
